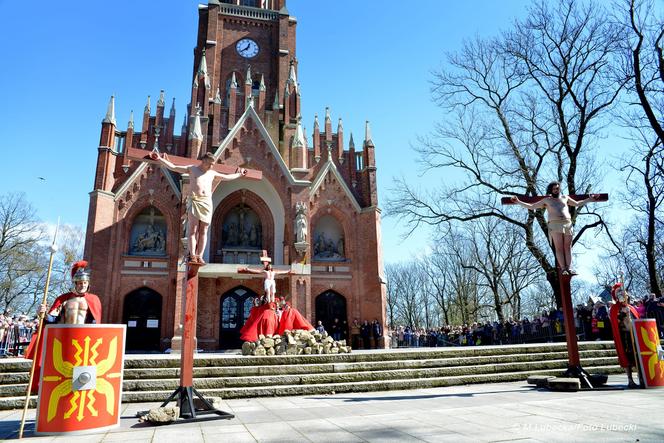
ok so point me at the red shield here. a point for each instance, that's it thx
(647, 344)
(81, 378)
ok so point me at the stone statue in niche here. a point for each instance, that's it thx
(300, 223)
(241, 229)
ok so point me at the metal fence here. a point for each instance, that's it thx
(14, 340)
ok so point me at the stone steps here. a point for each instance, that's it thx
(153, 378)
(233, 371)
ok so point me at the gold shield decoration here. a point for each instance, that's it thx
(649, 352)
(81, 380)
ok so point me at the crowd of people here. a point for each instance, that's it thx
(591, 322)
(15, 333)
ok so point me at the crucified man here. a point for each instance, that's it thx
(269, 285)
(199, 207)
(559, 221)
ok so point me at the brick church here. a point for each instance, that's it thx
(314, 210)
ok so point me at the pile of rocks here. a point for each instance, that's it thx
(295, 343)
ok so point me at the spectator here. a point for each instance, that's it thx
(365, 333)
(335, 329)
(377, 332)
(319, 327)
(355, 334)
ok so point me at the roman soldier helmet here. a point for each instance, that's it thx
(619, 294)
(78, 271)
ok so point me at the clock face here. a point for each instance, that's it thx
(247, 48)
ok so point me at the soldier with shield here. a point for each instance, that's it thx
(76, 307)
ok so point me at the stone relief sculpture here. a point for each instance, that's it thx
(148, 234)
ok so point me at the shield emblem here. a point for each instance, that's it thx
(649, 352)
(81, 378)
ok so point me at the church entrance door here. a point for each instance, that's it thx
(235, 307)
(330, 305)
(142, 315)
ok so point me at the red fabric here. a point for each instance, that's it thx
(34, 350)
(620, 346)
(262, 321)
(291, 319)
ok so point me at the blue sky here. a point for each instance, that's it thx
(366, 60)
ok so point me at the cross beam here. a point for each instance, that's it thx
(536, 198)
(143, 155)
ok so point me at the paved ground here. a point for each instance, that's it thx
(474, 413)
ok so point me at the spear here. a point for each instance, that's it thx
(53, 250)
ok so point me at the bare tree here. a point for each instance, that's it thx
(643, 116)
(525, 108)
(21, 255)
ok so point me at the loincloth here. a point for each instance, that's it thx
(200, 207)
(560, 227)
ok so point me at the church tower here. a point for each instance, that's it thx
(314, 211)
(245, 53)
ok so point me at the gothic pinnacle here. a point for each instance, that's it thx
(130, 125)
(262, 85)
(299, 140)
(202, 71)
(292, 79)
(233, 81)
(275, 105)
(217, 96)
(173, 107)
(351, 143)
(196, 132)
(316, 122)
(146, 110)
(161, 102)
(248, 81)
(110, 112)
(367, 135)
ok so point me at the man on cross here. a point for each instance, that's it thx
(559, 221)
(199, 202)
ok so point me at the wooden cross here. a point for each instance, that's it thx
(536, 198)
(143, 155)
(574, 368)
